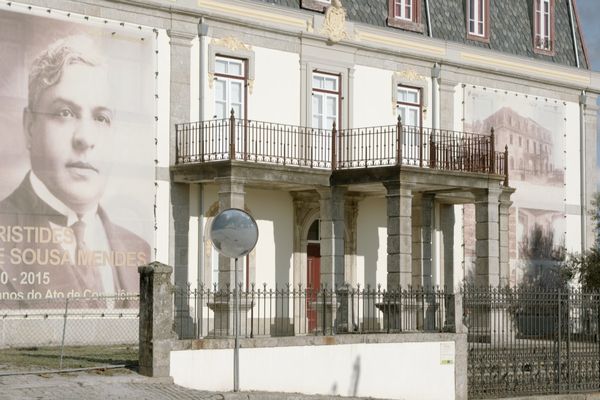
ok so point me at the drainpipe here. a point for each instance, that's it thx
(582, 177)
(202, 32)
(429, 30)
(435, 78)
(573, 32)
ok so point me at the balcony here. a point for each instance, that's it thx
(334, 150)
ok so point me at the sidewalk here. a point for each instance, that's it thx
(118, 384)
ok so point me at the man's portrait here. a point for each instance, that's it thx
(68, 225)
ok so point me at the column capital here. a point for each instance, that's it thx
(488, 195)
(397, 188)
(332, 191)
(181, 38)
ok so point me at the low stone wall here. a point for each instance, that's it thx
(394, 366)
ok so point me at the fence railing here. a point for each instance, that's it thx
(266, 142)
(208, 312)
(532, 341)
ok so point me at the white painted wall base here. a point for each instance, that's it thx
(419, 371)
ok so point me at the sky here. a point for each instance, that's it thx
(589, 14)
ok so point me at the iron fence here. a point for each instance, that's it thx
(59, 327)
(273, 143)
(531, 341)
(287, 311)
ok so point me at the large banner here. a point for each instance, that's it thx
(534, 129)
(76, 155)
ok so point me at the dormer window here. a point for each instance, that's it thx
(543, 37)
(478, 16)
(315, 5)
(405, 14)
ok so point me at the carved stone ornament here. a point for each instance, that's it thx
(231, 43)
(335, 22)
(250, 86)
(211, 79)
(410, 75)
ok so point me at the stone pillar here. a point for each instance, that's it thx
(231, 195)
(487, 249)
(504, 260)
(589, 179)
(180, 78)
(399, 230)
(332, 236)
(447, 91)
(156, 319)
(422, 240)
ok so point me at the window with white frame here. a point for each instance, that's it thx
(229, 84)
(477, 17)
(408, 105)
(325, 100)
(403, 9)
(543, 24)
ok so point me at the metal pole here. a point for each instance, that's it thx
(236, 350)
(62, 343)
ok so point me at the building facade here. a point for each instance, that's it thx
(395, 143)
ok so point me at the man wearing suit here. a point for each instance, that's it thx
(54, 233)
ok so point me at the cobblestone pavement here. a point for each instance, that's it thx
(117, 384)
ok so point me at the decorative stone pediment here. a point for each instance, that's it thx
(231, 43)
(334, 25)
(410, 75)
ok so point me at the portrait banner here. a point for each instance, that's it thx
(533, 129)
(77, 155)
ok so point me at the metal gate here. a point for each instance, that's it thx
(531, 341)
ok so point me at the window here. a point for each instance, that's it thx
(403, 9)
(478, 19)
(230, 87)
(543, 15)
(315, 5)
(405, 14)
(325, 100)
(408, 105)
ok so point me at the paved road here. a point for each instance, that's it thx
(115, 385)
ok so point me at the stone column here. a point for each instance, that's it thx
(422, 240)
(231, 195)
(332, 236)
(504, 260)
(589, 179)
(181, 44)
(487, 249)
(156, 319)
(399, 230)
(447, 91)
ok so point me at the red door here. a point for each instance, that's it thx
(313, 283)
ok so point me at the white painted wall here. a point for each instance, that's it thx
(276, 94)
(380, 370)
(375, 85)
(371, 242)
(273, 211)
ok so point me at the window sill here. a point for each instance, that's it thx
(477, 38)
(545, 52)
(406, 25)
(314, 5)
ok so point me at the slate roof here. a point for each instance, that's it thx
(511, 25)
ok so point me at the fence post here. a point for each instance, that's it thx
(232, 135)
(492, 152)
(62, 343)
(156, 319)
(506, 165)
(399, 141)
(333, 147)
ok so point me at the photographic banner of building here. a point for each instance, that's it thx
(77, 155)
(534, 129)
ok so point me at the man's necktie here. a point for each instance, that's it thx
(80, 246)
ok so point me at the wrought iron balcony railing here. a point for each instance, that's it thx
(273, 143)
